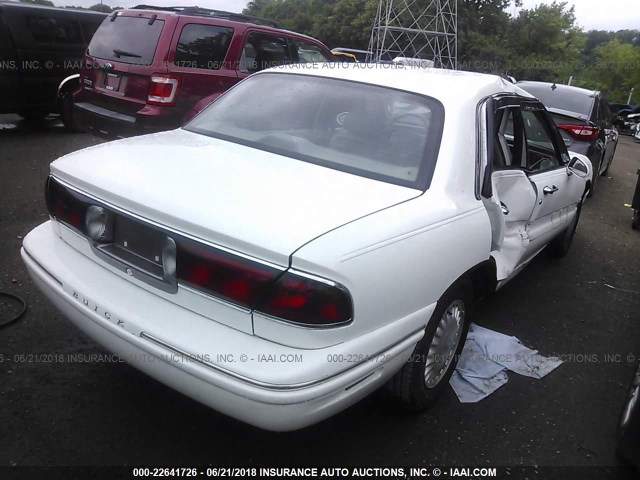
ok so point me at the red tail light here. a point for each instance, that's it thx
(224, 275)
(65, 205)
(287, 295)
(308, 301)
(581, 132)
(163, 90)
(253, 285)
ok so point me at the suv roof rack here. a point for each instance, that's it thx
(207, 12)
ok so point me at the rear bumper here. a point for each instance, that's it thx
(102, 121)
(258, 396)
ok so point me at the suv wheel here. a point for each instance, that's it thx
(66, 111)
(427, 372)
(33, 115)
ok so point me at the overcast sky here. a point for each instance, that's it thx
(600, 14)
(591, 14)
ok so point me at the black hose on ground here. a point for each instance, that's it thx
(4, 323)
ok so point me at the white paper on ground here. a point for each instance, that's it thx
(485, 357)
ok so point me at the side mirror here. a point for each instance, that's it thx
(578, 167)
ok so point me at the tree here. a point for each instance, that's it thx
(46, 3)
(616, 69)
(544, 43)
(101, 7)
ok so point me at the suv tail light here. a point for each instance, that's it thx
(163, 90)
(581, 132)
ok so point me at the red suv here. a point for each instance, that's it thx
(153, 68)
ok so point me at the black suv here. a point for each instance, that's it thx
(41, 50)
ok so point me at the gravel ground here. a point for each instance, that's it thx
(585, 307)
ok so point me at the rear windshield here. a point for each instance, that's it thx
(367, 130)
(561, 99)
(126, 39)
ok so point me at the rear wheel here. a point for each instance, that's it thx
(606, 170)
(628, 434)
(427, 372)
(66, 111)
(635, 223)
(596, 176)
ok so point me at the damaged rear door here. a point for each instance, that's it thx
(529, 195)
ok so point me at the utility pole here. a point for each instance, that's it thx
(423, 29)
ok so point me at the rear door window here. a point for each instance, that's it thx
(203, 46)
(605, 112)
(309, 53)
(262, 50)
(541, 152)
(47, 29)
(126, 40)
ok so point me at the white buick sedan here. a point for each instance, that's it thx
(312, 235)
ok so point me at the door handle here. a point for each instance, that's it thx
(549, 190)
(505, 210)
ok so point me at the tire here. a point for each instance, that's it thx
(66, 111)
(635, 223)
(628, 433)
(561, 245)
(606, 170)
(410, 385)
(596, 176)
(33, 115)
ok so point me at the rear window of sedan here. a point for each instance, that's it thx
(562, 99)
(372, 131)
(126, 40)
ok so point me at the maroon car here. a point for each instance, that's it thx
(150, 68)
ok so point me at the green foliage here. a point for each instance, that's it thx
(46, 3)
(541, 43)
(101, 7)
(616, 68)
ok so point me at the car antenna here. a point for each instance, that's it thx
(554, 86)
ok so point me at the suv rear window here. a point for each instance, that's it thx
(202, 46)
(126, 40)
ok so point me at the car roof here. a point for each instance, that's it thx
(225, 18)
(448, 86)
(5, 5)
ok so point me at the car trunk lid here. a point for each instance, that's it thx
(565, 118)
(251, 201)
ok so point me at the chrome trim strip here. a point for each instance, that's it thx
(213, 299)
(305, 326)
(266, 385)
